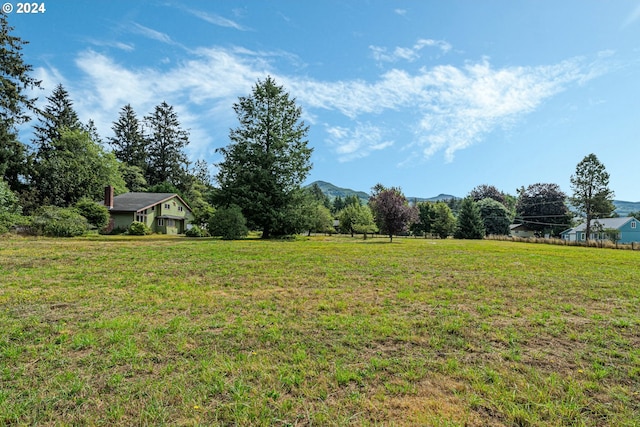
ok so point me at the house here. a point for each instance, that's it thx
(627, 230)
(521, 230)
(164, 213)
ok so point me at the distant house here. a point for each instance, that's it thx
(627, 230)
(521, 230)
(164, 213)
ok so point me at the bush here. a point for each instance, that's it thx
(196, 231)
(229, 223)
(53, 221)
(96, 213)
(137, 228)
(10, 221)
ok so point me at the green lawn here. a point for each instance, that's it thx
(319, 331)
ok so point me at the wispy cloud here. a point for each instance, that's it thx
(357, 142)
(127, 47)
(215, 19)
(151, 34)
(381, 54)
(632, 17)
(443, 109)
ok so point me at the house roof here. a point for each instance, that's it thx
(614, 223)
(133, 202)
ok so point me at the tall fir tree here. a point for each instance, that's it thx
(469, 225)
(166, 159)
(128, 141)
(267, 161)
(15, 105)
(58, 115)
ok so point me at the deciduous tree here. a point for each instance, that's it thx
(267, 161)
(495, 217)
(76, 167)
(542, 208)
(355, 218)
(391, 210)
(591, 194)
(485, 191)
(444, 223)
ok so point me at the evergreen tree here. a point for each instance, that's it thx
(426, 216)
(14, 160)
(128, 141)
(318, 195)
(166, 159)
(591, 193)
(15, 81)
(469, 224)
(337, 205)
(267, 161)
(58, 115)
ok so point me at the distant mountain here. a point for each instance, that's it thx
(333, 191)
(625, 208)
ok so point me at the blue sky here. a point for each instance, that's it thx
(431, 96)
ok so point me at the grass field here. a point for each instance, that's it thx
(317, 331)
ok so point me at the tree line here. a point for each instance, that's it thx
(258, 182)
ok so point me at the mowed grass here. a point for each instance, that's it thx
(317, 331)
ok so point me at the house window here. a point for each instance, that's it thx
(167, 206)
(170, 223)
(179, 208)
(141, 216)
(633, 224)
(160, 222)
(581, 236)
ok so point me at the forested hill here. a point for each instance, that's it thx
(625, 208)
(334, 191)
(622, 208)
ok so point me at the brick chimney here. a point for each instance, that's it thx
(108, 196)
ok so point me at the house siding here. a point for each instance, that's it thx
(628, 233)
(167, 217)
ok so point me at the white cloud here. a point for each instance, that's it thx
(632, 17)
(216, 19)
(127, 47)
(151, 33)
(410, 54)
(350, 144)
(443, 109)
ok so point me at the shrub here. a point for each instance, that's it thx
(229, 223)
(53, 221)
(10, 221)
(196, 231)
(137, 228)
(96, 213)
